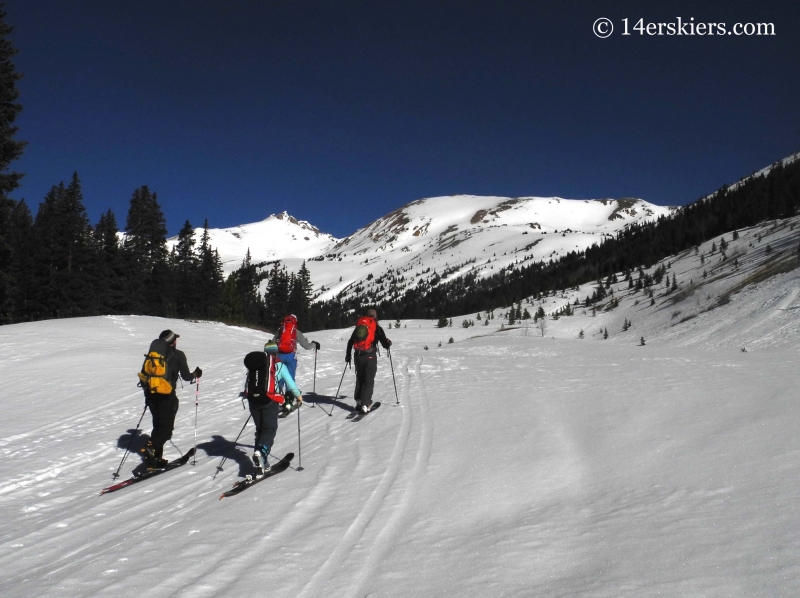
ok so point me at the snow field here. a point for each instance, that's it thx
(514, 466)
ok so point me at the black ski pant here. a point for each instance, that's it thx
(366, 368)
(265, 417)
(163, 408)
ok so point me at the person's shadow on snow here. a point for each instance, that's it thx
(315, 399)
(229, 451)
(135, 439)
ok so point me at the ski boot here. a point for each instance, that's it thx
(260, 460)
(149, 453)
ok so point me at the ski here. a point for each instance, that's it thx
(244, 484)
(361, 416)
(149, 473)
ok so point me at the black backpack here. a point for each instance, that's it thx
(260, 386)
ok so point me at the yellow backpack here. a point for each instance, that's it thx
(154, 377)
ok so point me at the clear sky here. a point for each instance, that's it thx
(340, 112)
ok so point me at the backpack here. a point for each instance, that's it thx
(287, 335)
(365, 333)
(156, 375)
(261, 378)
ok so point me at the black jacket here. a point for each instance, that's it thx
(178, 366)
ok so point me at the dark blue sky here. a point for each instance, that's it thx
(340, 112)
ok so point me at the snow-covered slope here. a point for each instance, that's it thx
(443, 237)
(514, 465)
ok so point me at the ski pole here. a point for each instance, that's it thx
(196, 402)
(135, 432)
(314, 386)
(389, 350)
(299, 448)
(337, 390)
(225, 458)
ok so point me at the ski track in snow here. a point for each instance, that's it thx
(608, 470)
(363, 545)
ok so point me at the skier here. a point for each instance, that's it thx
(287, 338)
(364, 338)
(164, 407)
(265, 412)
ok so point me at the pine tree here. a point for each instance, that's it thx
(112, 297)
(21, 262)
(210, 280)
(145, 254)
(64, 273)
(78, 280)
(185, 265)
(10, 150)
(230, 306)
(300, 295)
(276, 297)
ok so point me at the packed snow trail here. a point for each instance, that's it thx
(514, 466)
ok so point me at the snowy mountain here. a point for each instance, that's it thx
(432, 240)
(514, 460)
(278, 237)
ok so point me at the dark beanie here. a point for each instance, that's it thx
(168, 336)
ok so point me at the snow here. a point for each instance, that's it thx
(515, 464)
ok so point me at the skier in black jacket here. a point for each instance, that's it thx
(163, 408)
(364, 339)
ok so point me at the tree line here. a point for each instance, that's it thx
(58, 265)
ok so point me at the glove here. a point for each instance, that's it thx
(299, 399)
(316, 345)
(347, 359)
(388, 343)
(198, 372)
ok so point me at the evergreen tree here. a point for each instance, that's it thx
(210, 280)
(230, 307)
(300, 295)
(185, 264)
(64, 273)
(112, 297)
(145, 254)
(10, 150)
(248, 279)
(276, 297)
(77, 281)
(20, 263)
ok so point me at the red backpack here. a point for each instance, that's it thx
(287, 335)
(365, 333)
